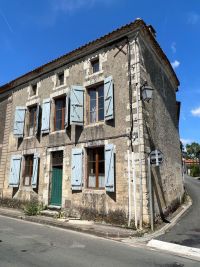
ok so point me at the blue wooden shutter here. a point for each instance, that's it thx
(19, 121)
(37, 119)
(77, 166)
(15, 168)
(108, 98)
(67, 111)
(35, 171)
(46, 115)
(76, 105)
(109, 168)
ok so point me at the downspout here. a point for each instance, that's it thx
(137, 61)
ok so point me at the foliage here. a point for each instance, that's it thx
(195, 171)
(33, 208)
(193, 150)
(13, 203)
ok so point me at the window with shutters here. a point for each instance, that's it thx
(59, 116)
(32, 120)
(96, 168)
(96, 104)
(28, 169)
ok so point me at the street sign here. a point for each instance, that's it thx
(156, 157)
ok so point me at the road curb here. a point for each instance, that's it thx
(46, 221)
(175, 249)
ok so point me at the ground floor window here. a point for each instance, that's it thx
(96, 168)
(28, 170)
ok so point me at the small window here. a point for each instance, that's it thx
(96, 104)
(96, 168)
(60, 79)
(28, 170)
(32, 124)
(33, 91)
(59, 116)
(95, 65)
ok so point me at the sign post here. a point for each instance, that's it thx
(155, 158)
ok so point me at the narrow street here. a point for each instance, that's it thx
(187, 231)
(26, 244)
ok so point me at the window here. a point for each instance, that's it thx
(32, 121)
(95, 65)
(60, 79)
(33, 91)
(96, 104)
(28, 170)
(96, 168)
(59, 117)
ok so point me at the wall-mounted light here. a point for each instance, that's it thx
(146, 92)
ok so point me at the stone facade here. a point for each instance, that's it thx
(131, 59)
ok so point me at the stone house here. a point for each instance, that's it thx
(76, 133)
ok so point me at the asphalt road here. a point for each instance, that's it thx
(187, 231)
(26, 244)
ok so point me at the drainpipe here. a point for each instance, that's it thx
(139, 133)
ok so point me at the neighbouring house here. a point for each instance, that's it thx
(188, 164)
(76, 132)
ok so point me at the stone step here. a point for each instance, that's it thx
(50, 213)
(54, 207)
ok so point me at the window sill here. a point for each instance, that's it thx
(58, 132)
(32, 97)
(96, 190)
(94, 74)
(29, 137)
(96, 124)
(63, 86)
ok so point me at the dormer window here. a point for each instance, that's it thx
(60, 80)
(95, 65)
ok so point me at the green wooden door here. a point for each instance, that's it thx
(56, 186)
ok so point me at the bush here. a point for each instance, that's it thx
(195, 170)
(13, 203)
(33, 208)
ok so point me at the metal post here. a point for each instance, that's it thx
(150, 195)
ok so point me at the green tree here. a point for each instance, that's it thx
(193, 150)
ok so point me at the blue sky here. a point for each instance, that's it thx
(36, 31)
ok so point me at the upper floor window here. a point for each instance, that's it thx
(95, 65)
(59, 116)
(32, 123)
(60, 78)
(96, 104)
(33, 89)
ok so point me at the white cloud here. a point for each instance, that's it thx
(68, 6)
(186, 141)
(173, 47)
(175, 64)
(196, 112)
(193, 18)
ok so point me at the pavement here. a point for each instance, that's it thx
(27, 244)
(181, 237)
(186, 232)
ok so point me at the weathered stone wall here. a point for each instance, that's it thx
(5, 114)
(161, 130)
(90, 135)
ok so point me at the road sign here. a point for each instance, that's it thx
(156, 157)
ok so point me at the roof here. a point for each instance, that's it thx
(88, 48)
